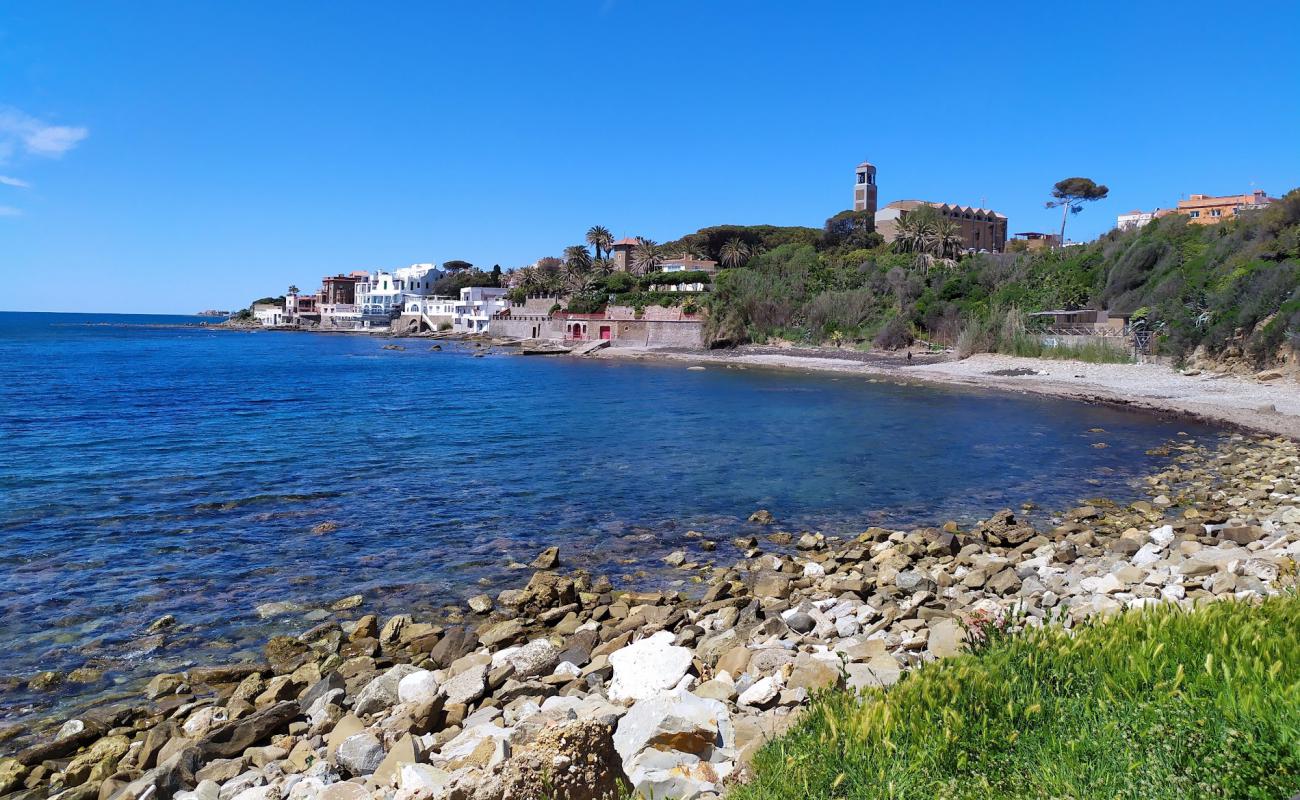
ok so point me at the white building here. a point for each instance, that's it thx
(1134, 219)
(269, 314)
(477, 304)
(417, 278)
(685, 264)
(384, 294)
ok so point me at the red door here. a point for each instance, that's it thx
(605, 332)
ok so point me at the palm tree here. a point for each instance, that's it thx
(734, 253)
(949, 239)
(603, 266)
(599, 237)
(694, 249)
(293, 289)
(577, 263)
(646, 256)
(577, 258)
(909, 234)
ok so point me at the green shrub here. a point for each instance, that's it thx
(1161, 704)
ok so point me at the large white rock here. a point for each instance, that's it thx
(647, 667)
(418, 687)
(1148, 554)
(422, 777)
(673, 774)
(676, 744)
(762, 694)
(468, 740)
(676, 720)
(1162, 536)
(361, 754)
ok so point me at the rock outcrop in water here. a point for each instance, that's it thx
(568, 689)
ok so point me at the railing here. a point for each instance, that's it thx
(1086, 329)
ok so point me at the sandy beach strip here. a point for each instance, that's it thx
(1266, 407)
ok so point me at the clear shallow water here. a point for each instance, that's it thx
(149, 469)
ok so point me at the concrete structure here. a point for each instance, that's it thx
(378, 296)
(271, 315)
(621, 326)
(382, 296)
(1083, 322)
(981, 228)
(864, 187)
(300, 308)
(1035, 240)
(1135, 219)
(531, 319)
(417, 278)
(340, 289)
(1203, 209)
(622, 250)
(473, 312)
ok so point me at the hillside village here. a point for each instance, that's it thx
(909, 273)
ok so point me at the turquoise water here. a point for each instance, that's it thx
(152, 467)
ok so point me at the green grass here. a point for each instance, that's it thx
(1165, 703)
(1099, 352)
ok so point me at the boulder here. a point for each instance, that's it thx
(647, 667)
(772, 585)
(799, 622)
(574, 761)
(676, 720)
(381, 693)
(762, 694)
(547, 559)
(418, 687)
(538, 657)
(676, 745)
(233, 738)
(285, 653)
(467, 686)
(481, 604)
(360, 754)
(879, 671)
(946, 638)
(164, 684)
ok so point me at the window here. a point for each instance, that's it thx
(1194, 214)
(862, 177)
(1216, 212)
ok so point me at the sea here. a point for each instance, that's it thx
(154, 465)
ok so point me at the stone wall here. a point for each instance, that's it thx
(526, 328)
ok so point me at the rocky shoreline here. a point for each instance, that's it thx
(567, 687)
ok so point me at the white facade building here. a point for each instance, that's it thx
(378, 295)
(269, 314)
(417, 278)
(1134, 219)
(384, 294)
(477, 304)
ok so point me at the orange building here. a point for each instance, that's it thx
(1202, 209)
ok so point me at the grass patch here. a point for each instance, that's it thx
(1162, 703)
(1098, 352)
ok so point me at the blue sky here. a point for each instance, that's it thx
(167, 157)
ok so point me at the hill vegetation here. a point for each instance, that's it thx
(1232, 288)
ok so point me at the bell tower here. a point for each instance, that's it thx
(864, 188)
